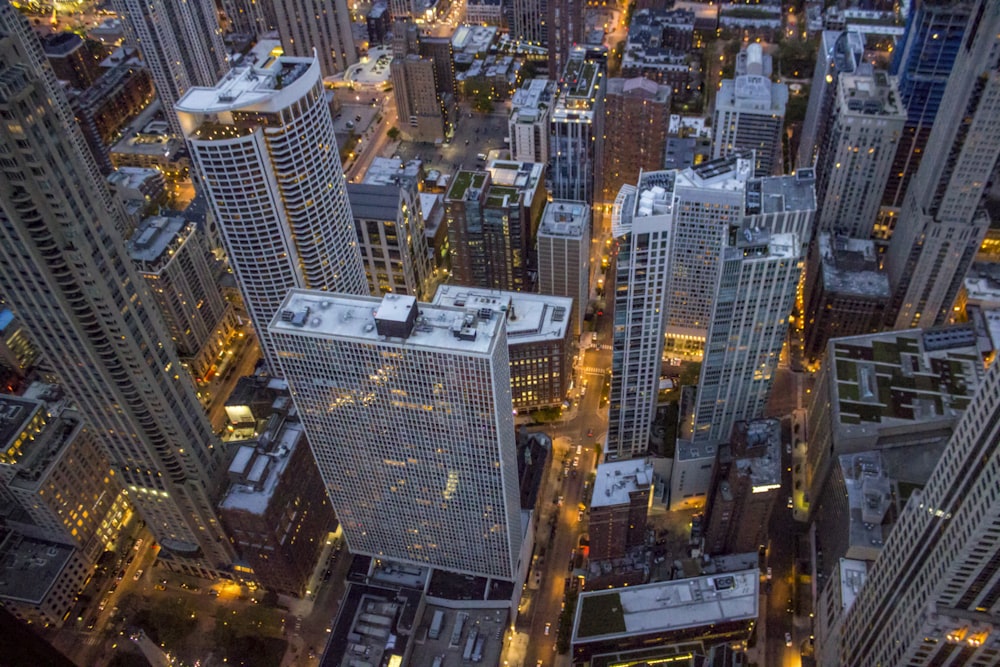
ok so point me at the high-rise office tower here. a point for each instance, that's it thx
(412, 420)
(932, 597)
(941, 224)
(262, 141)
(839, 53)
(576, 129)
(67, 276)
(563, 31)
(858, 152)
(322, 27)
(563, 247)
(180, 42)
(750, 113)
(922, 63)
(636, 118)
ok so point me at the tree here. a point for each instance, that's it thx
(393, 133)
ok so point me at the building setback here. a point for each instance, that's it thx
(416, 401)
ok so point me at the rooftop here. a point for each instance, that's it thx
(257, 467)
(262, 82)
(870, 93)
(524, 176)
(155, 235)
(904, 376)
(390, 171)
(852, 577)
(756, 451)
(565, 218)
(666, 606)
(317, 314)
(467, 184)
(869, 495)
(30, 566)
(783, 193)
(615, 481)
(534, 95)
(374, 202)
(850, 266)
(530, 318)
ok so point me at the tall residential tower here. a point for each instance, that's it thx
(262, 141)
(66, 274)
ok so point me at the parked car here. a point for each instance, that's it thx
(788, 639)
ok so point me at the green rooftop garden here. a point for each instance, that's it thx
(463, 180)
(601, 615)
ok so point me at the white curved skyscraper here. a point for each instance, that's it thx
(262, 141)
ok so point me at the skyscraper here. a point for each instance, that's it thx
(933, 595)
(750, 113)
(322, 27)
(858, 151)
(262, 141)
(942, 224)
(180, 42)
(528, 123)
(411, 425)
(923, 62)
(576, 129)
(250, 17)
(563, 29)
(708, 260)
(67, 276)
(641, 225)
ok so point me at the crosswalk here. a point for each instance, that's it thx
(591, 370)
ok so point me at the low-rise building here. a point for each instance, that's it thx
(618, 507)
(629, 622)
(748, 480)
(276, 509)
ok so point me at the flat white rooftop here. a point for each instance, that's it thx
(530, 318)
(667, 606)
(565, 218)
(338, 316)
(852, 577)
(614, 481)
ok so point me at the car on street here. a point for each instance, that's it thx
(548, 627)
(138, 573)
(788, 639)
(791, 503)
(590, 433)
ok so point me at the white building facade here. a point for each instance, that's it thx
(263, 143)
